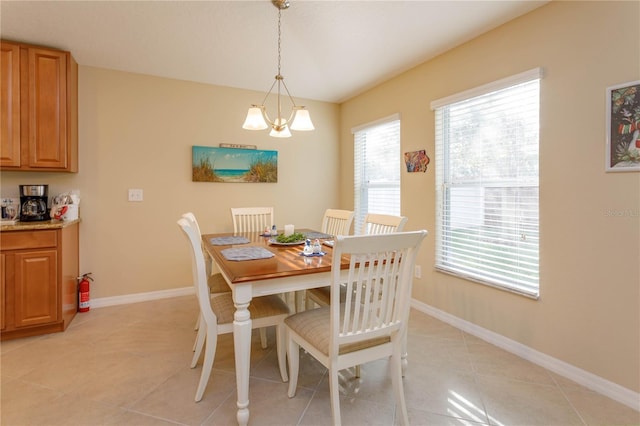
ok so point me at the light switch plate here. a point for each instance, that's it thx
(135, 195)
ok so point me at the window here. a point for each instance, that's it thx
(376, 169)
(487, 183)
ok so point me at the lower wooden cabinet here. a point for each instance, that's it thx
(2, 286)
(35, 287)
(39, 287)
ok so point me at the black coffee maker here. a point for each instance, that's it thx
(33, 203)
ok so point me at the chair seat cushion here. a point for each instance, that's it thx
(313, 324)
(260, 307)
(217, 284)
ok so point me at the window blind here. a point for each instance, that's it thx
(377, 168)
(487, 226)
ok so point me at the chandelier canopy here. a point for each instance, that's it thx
(257, 117)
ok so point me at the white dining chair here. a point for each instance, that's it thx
(337, 222)
(371, 323)
(334, 222)
(217, 312)
(373, 224)
(216, 284)
(252, 219)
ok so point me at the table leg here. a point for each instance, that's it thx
(242, 347)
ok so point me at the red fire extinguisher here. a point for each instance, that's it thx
(83, 293)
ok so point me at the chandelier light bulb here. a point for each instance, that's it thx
(301, 119)
(255, 120)
(282, 133)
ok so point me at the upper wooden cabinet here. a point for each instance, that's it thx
(39, 110)
(10, 107)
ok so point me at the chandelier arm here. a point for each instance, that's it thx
(266, 117)
(292, 116)
(264, 101)
(293, 109)
(289, 94)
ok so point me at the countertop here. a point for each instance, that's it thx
(36, 226)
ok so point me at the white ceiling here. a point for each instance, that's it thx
(331, 50)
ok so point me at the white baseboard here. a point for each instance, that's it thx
(598, 384)
(141, 297)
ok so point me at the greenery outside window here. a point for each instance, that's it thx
(377, 165)
(487, 177)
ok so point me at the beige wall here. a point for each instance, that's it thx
(588, 311)
(136, 131)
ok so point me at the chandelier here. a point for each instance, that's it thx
(257, 118)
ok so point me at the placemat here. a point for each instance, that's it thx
(225, 241)
(246, 253)
(313, 235)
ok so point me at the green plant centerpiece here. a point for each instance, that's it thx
(293, 238)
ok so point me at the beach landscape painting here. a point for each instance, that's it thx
(213, 164)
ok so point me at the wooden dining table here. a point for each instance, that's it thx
(287, 271)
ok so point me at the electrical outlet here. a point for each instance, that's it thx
(418, 272)
(135, 195)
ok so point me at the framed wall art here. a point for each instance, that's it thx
(623, 127)
(238, 165)
(416, 161)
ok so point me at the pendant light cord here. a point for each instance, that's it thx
(279, 36)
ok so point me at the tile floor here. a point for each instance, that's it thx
(129, 365)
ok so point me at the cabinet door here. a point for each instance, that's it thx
(3, 281)
(36, 290)
(46, 91)
(10, 105)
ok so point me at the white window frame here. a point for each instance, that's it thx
(364, 183)
(488, 260)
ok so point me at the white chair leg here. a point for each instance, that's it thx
(263, 337)
(197, 326)
(281, 349)
(308, 303)
(198, 344)
(208, 263)
(290, 300)
(293, 354)
(209, 355)
(404, 363)
(334, 390)
(298, 298)
(398, 389)
(358, 371)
